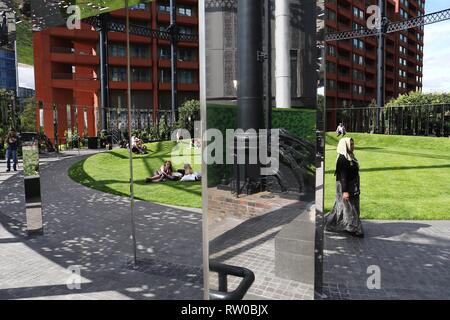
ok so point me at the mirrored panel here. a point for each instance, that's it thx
(386, 151)
(261, 88)
(110, 116)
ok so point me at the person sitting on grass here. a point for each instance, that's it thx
(189, 174)
(138, 146)
(164, 173)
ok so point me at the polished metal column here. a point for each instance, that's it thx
(282, 54)
(250, 82)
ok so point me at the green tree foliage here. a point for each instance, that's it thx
(419, 98)
(28, 116)
(189, 112)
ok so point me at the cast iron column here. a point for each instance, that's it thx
(268, 21)
(104, 79)
(250, 79)
(174, 58)
(381, 63)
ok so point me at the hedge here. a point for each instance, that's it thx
(300, 122)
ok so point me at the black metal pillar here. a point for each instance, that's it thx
(174, 58)
(55, 127)
(381, 62)
(104, 79)
(250, 82)
(268, 83)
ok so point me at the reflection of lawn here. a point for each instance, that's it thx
(109, 172)
(401, 177)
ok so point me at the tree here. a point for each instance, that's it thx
(28, 116)
(420, 99)
(189, 112)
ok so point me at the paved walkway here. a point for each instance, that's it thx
(251, 243)
(92, 229)
(413, 257)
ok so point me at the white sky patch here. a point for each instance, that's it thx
(436, 69)
(26, 76)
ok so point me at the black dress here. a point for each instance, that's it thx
(345, 214)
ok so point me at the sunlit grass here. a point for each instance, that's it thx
(402, 178)
(110, 172)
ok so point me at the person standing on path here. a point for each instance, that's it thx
(345, 216)
(12, 141)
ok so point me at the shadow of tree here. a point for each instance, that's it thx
(414, 259)
(92, 229)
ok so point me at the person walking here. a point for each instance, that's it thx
(345, 215)
(12, 141)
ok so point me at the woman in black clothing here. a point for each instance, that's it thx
(345, 214)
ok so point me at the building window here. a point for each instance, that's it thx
(118, 74)
(164, 53)
(117, 50)
(331, 85)
(330, 67)
(187, 54)
(357, 74)
(403, 38)
(187, 76)
(186, 30)
(331, 50)
(185, 11)
(140, 74)
(331, 15)
(358, 13)
(358, 43)
(164, 8)
(140, 51)
(165, 76)
(358, 59)
(358, 89)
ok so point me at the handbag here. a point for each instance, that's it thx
(354, 187)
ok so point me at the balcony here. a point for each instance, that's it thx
(82, 34)
(123, 85)
(137, 62)
(70, 56)
(167, 86)
(136, 14)
(184, 20)
(70, 81)
(122, 37)
(166, 63)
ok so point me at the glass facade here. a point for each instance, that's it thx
(7, 69)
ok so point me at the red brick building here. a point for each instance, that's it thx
(351, 65)
(67, 69)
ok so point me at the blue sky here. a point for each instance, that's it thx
(436, 71)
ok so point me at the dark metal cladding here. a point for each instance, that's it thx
(250, 68)
(104, 87)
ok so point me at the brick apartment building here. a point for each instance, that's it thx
(351, 73)
(67, 70)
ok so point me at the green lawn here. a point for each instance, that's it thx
(24, 42)
(109, 172)
(404, 178)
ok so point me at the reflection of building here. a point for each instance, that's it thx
(351, 64)
(221, 37)
(8, 71)
(24, 94)
(67, 68)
